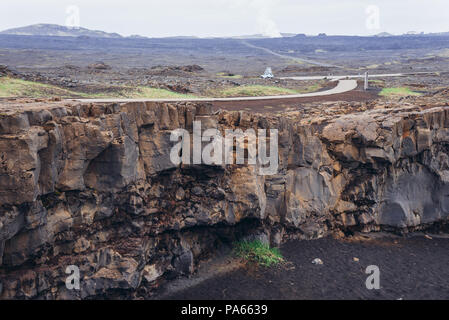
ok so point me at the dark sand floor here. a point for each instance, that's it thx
(410, 268)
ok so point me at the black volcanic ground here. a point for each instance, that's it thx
(410, 268)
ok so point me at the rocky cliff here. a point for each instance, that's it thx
(92, 185)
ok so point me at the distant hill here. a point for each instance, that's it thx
(136, 36)
(181, 37)
(57, 30)
(287, 35)
(384, 34)
(445, 34)
(248, 36)
(51, 30)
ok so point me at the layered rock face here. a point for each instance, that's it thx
(93, 186)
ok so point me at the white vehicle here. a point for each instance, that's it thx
(268, 74)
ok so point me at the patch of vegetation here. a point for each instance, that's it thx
(261, 90)
(372, 66)
(398, 92)
(444, 53)
(254, 91)
(377, 83)
(11, 87)
(149, 93)
(258, 252)
(311, 88)
(297, 61)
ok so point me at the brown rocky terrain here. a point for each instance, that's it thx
(92, 185)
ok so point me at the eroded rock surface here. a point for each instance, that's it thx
(92, 185)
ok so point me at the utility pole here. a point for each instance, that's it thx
(366, 81)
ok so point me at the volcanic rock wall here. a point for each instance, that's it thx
(92, 185)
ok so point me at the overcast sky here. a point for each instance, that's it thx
(157, 18)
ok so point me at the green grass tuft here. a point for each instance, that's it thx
(11, 87)
(261, 90)
(256, 251)
(155, 93)
(398, 92)
(255, 90)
